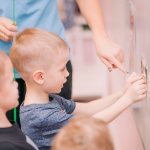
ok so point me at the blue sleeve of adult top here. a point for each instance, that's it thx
(42, 14)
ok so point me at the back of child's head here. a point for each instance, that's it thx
(35, 49)
(84, 134)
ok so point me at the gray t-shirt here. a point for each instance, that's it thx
(41, 122)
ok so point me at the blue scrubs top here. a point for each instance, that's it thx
(32, 13)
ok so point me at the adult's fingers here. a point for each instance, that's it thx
(106, 62)
(11, 27)
(4, 37)
(119, 57)
(116, 63)
(7, 23)
(7, 32)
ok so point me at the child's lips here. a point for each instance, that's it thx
(65, 81)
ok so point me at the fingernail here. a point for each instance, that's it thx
(123, 70)
(110, 69)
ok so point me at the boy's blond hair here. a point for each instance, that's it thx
(83, 133)
(35, 49)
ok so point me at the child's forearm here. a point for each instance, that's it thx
(95, 106)
(114, 110)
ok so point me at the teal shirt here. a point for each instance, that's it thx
(32, 13)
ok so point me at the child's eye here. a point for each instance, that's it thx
(14, 81)
(63, 69)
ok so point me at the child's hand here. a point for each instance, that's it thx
(136, 89)
(7, 29)
(132, 78)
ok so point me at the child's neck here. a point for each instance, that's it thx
(4, 123)
(35, 96)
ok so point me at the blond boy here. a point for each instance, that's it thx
(84, 133)
(11, 137)
(40, 57)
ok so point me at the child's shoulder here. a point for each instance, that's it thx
(40, 109)
(56, 97)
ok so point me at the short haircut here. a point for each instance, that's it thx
(35, 49)
(83, 133)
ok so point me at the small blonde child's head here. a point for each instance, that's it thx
(83, 133)
(40, 57)
(8, 87)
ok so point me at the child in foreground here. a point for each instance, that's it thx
(40, 57)
(83, 133)
(11, 137)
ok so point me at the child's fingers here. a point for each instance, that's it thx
(141, 81)
(142, 96)
(132, 75)
(143, 86)
(141, 92)
(139, 86)
(134, 79)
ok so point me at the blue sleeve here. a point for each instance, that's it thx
(68, 105)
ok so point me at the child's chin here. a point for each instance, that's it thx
(58, 91)
(14, 105)
(17, 103)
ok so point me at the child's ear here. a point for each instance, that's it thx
(38, 77)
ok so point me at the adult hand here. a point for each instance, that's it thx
(111, 54)
(7, 29)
